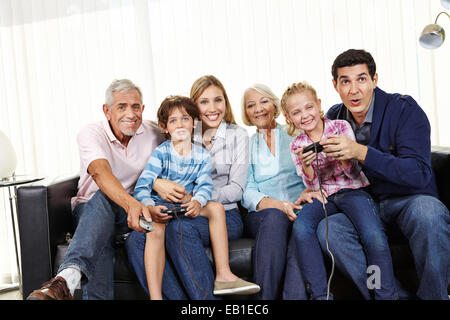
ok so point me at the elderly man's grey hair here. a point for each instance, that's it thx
(121, 85)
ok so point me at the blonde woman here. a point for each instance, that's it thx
(227, 144)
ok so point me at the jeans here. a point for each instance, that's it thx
(91, 250)
(188, 273)
(423, 219)
(171, 285)
(275, 261)
(359, 207)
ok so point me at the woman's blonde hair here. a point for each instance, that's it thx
(266, 92)
(204, 82)
(295, 88)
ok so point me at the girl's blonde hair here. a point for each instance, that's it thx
(295, 88)
(266, 92)
(202, 83)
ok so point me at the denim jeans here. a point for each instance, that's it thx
(135, 245)
(359, 207)
(275, 261)
(423, 219)
(91, 250)
(171, 285)
(188, 273)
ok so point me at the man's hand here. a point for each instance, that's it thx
(308, 196)
(135, 209)
(193, 208)
(344, 148)
(170, 191)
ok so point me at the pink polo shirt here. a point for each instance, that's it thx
(97, 141)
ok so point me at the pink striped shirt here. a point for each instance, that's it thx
(333, 176)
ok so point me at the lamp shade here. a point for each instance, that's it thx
(8, 159)
(432, 37)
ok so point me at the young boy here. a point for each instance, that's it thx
(189, 165)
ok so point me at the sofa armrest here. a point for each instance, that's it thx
(44, 218)
(440, 161)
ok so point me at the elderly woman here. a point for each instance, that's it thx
(272, 196)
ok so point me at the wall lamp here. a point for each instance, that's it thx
(433, 35)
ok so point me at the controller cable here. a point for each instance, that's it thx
(326, 222)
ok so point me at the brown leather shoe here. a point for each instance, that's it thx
(55, 289)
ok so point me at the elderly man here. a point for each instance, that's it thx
(113, 154)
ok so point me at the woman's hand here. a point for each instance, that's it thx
(289, 209)
(170, 191)
(308, 196)
(286, 206)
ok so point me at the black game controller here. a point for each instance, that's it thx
(175, 211)
(144, 224)
(314, 146)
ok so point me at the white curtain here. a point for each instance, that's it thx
(57, 57)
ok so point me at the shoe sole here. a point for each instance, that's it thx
(240, 290)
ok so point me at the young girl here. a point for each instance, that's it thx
(189, 165)
(343, 181)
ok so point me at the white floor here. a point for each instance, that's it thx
(11, 295)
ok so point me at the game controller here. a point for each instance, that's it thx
(144, 224)
(175, 211)
(312, 147)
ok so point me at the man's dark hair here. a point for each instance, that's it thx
(172, 102)
(351, 58)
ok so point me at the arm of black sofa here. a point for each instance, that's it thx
(44, 218)
(440, 161)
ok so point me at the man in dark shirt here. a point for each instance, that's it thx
(393, 147)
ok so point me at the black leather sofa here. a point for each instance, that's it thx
(44, 217)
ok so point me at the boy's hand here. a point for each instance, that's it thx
(157, 215)
(193, 208)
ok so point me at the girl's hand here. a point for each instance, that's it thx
(193, 208)
(306, 158)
